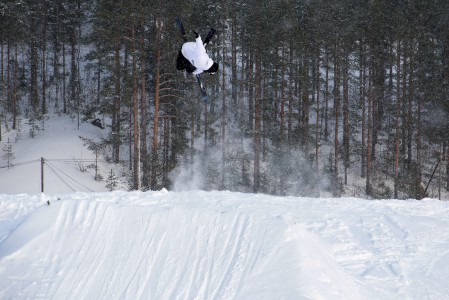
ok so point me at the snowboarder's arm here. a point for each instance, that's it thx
(199, 45)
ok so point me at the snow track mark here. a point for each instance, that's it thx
(98, 249)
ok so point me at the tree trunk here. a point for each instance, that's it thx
(421, 96)
(282, 94)
(447, 170)
(223, 118)
(34, 85)
(206, 127)
(305, 101)
(251, 96)
(156, 109)
(363, 106)
(166, 148)
(16, 81)
(326, 99)
(136, 136)
(64, 92)
(56, 51)
(74, 95)
(290, 96)
(234, 43)
(318, 112)
(346, 133)
(143, 109)
(410, 109)
(318, 127)
(336, 107)
(257, 123)
(277, 110)
(368, 188)
(44, 53)
(404, 105)
(8, 74)
(398, 112)
(2, 64)
(116, 140)
(378, 85)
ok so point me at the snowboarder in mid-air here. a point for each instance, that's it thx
(193, 58)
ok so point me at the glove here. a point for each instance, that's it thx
(196, 34)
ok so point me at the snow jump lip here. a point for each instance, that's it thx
(161, 245)
(86, 249)
(90, 249)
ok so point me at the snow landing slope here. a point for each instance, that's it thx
(221, 245)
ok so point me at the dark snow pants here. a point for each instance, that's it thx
(183, 64)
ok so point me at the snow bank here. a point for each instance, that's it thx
(221, 245)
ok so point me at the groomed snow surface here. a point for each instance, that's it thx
(200, 245)
(221, 245)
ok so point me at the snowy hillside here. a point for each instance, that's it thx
(221, 245)
(57, 140)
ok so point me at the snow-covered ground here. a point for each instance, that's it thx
(58, 141)
(221, 245)
(201, 245)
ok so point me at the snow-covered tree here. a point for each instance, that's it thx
(8, 153)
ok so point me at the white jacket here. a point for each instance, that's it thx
(196, 54)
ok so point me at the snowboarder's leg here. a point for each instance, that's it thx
(181, 28)
(209, 36)
(181, 62)
(190, 68)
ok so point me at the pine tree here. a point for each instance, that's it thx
(96, 147)
(112, 181)
(8, 154)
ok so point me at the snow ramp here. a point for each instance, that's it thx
(163, 245)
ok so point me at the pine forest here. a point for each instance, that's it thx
(312, 97)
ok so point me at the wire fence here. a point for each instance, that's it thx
(72, 183)
(60, 174)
